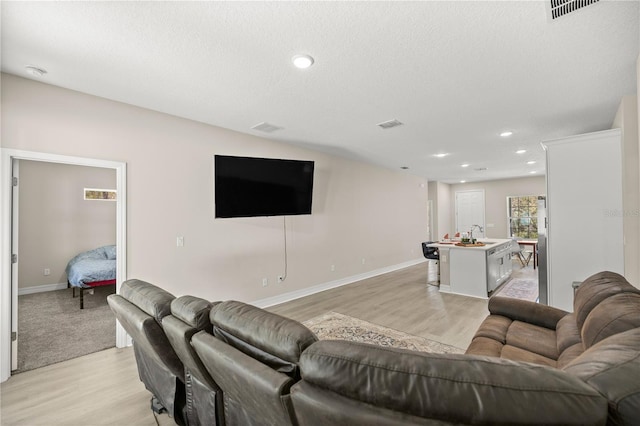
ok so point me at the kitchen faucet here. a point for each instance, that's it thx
(480, 228)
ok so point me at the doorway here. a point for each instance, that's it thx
(9, 263)
(470, 211)
(56, 221)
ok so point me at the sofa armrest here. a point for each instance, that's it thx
(462, 389)
(526, 311)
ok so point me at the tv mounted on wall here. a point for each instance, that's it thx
(249, 186)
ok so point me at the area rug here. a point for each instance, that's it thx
(520, 288)
(335, 326)
(52, 327)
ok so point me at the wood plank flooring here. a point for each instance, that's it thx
(401, 300)
(103, 388)
(96, 389)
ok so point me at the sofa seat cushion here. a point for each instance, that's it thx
(523, 341)
(569, 354)
(567, 333)
(515, 353)
(494, 327)
(485, 346)
(533, 338)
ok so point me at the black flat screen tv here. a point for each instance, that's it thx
(249, 186)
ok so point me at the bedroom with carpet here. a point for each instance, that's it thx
(61, 247)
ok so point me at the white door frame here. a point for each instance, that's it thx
(8, 296)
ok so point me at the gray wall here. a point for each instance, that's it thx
(365, 218)
(55, 222)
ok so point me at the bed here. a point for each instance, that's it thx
(90, 269)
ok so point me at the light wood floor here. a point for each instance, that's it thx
(103, 388)
(96, 389)
(401, 300)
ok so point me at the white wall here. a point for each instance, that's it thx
(55, 220)
(360, 211)
(495, 199)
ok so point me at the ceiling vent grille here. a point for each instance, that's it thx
(389, 124)
(558, 8)
(266, 127)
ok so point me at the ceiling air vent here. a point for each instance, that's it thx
(266, 127)
(389, 124)
(558, 8)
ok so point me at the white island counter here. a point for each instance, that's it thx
(474, 271)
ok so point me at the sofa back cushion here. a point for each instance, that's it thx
(375, 381)
(595, 289)
(273, 340)
(618, 313)
(153, 300)
(612, 366)
(253, 358)
(190, 315)
(139, 308)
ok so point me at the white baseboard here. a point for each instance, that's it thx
(286, 297)
(41, 288)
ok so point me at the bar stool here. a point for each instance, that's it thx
(433, 256)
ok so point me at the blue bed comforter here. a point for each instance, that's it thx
(93, 265)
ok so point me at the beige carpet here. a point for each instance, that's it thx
(335, 326)
(52, 327)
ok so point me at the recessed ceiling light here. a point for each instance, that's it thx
(444, 154)
(465, 165)
(35, 71)
(506, 134)
(531, 162)
(521, 151)
(533, 172)
(302, 61)
(463, 181)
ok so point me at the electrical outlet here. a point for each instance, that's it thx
(179, 241)
(265, 282)
(363, 261)
(47, 271)
(333, 268)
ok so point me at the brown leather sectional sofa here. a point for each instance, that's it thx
(527, 364)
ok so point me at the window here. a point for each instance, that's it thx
(523, 216)
(99, 194)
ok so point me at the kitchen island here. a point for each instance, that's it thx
(474, 271)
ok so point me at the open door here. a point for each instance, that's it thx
(470, 211)
(14, 262)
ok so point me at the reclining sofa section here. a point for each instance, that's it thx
(527, 364)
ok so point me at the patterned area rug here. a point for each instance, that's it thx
(335, 326)
(520, 288)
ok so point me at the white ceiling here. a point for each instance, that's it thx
(455, 73)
